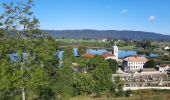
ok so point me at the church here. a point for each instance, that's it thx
(114, 55)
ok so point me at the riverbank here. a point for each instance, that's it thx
(126, 48)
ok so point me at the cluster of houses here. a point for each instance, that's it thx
(133, 71)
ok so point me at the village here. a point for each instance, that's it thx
(133, 72)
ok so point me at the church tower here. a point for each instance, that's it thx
(115, 51)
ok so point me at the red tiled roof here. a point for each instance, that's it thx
(88, 55)
(106, 54)
(164, 65)
(135, 58)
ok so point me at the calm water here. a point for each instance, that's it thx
(122, 53)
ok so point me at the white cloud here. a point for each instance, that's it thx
(151, 18)
(124, 11)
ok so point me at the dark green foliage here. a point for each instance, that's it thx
(128, 93)
(81, 50)
(144, 44)
(150, 64)
(102, 75)
(68, 54)
(83, 84)
(113, 65)
(96, 61)
(83, 64)
(45, 93)
(65, 80)
(117, 87)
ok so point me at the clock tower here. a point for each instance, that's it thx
(115, 51)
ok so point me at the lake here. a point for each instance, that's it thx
(122, 53)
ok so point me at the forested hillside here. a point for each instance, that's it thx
(136, 35)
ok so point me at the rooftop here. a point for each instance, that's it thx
(106, 54)
(164, 65)
(135, 58)
(88, 55)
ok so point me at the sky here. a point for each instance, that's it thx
(138, 15)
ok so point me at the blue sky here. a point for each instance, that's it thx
(140, 15)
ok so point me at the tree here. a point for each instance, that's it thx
(113, 65)
(81, 50)
(102, 75)
(96, 61)
(68, 54)
(83, 64)
(144, 44)
(65, 80)
(35, 60)
(128, 93)
(83, 84)
(117, 87)
(150, 64)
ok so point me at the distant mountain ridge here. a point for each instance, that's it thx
(99, 34)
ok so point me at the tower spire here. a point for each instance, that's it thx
(115, 50)
(115, 43)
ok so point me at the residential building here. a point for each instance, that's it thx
(166, 48)
(134, 63)
(164, 67)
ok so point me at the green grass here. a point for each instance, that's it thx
(151, 97)
(161, 43)
(137, 95)
(70, 41)
(131, 47)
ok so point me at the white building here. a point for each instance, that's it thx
(114, 54)
(107, 56)
(166, 48)
(115, 51)
(134, 63)
(164, 67)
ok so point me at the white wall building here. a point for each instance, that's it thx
(134, 63)
(107, 56)
(114, 55)
(166, 48)
(164, 67)
(115, 51)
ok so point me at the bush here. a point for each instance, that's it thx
(128, 93)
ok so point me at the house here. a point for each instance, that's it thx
(134, 63)
(107, 56)
(87, 55)
(166, 48)
(104, 40)
(164, 67)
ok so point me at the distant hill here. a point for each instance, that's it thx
(135, 35)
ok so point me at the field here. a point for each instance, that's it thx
(77, 41)
(138, 95)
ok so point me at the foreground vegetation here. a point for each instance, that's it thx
(29, 62)
(137, 95)
(30, 68)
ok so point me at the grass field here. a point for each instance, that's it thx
(70, 41)
(138, 95)
(131, 47)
